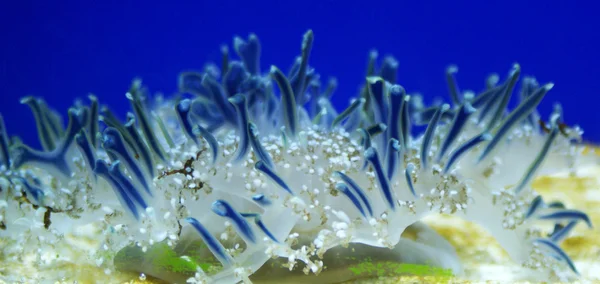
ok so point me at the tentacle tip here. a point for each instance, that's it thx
(219, 208)
(184, 105)
(452, 69)
(259, 165)
(308, 36)
(237, 41)
(396, 90)
(373, 53)
(469, 108)
(395, 144)
(27, 99)
(549, 86)
(237, 99)
(516, 69)
(224, 49)
(370, 153)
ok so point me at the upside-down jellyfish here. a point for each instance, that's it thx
(247, 175)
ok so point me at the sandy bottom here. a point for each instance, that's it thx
(483, 258)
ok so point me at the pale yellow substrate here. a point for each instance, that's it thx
(482, 256)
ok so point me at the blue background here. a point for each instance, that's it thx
(62, 50)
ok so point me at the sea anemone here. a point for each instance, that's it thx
(242, 173)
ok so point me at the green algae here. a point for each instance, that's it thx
(388, 268)
(163, 256)
(182, 262)
(161, 260)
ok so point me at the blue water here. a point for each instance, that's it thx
(62, 50)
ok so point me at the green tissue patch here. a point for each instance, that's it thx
(162, 257)
(388, 268)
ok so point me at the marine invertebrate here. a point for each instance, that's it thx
(240, 168)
